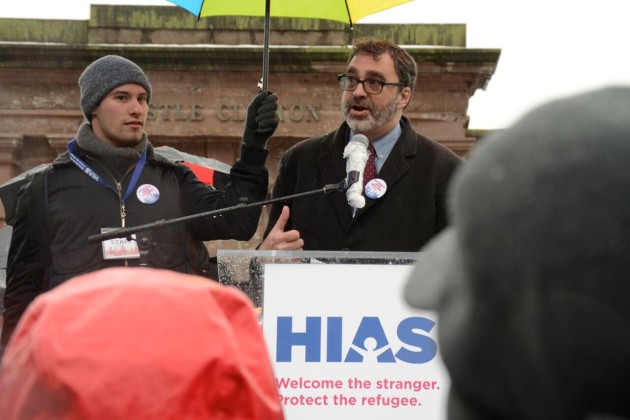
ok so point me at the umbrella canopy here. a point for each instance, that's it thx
(9, 190)
(346, 11)
(209, 171)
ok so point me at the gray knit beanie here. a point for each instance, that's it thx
(105, 74)
(531, 279)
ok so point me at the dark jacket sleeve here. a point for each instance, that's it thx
(249, 180)
(283, 186)
(29, 256)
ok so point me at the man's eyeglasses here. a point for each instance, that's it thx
(371, 86)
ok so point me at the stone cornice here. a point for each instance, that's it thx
(213, 57)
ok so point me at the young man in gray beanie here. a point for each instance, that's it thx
(110, 177)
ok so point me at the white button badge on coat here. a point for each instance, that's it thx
(376, 188)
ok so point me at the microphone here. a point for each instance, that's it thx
(356, 155)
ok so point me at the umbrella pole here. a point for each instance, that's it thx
(266, 47)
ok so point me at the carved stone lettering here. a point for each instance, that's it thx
(229, 112)
(175, 112)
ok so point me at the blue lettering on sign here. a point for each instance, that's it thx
(370, 341)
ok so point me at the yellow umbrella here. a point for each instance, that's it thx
(346, 11)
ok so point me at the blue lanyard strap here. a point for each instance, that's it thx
(96, 177)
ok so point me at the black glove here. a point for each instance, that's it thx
(262, 120)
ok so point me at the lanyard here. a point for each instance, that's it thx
(96, 177)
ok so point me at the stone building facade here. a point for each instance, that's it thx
(204, 73)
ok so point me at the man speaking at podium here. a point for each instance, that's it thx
(110, 178)
(404, 203)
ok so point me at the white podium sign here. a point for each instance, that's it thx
(345, 345)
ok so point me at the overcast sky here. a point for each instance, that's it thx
(550, 48)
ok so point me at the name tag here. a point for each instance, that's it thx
(120, 248)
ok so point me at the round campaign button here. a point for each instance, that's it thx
(148, 194)
(375, 188)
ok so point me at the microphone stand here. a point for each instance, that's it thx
(145, 238)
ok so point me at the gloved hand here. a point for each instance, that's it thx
(262, 120)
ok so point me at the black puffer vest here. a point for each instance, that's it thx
(70, 194)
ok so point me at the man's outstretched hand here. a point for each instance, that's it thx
(280, 240)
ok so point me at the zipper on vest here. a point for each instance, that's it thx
(123, 211)
(119, 191)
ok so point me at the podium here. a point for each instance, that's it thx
(245, 269)
(343, 342)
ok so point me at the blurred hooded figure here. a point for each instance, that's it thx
(138, 343)
(531, 282)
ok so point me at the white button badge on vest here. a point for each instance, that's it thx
(148, 194)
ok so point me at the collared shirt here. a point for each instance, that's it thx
(384, 145)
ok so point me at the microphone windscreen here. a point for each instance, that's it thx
(356, 156)
(360, 138)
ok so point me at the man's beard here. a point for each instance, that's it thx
(375, 118)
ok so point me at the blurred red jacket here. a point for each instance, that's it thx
(139, 343)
